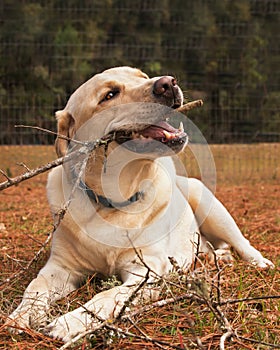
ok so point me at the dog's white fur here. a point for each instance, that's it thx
(92, 238)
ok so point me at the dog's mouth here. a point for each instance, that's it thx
(159, 137)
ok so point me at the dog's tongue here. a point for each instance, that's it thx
(164, 125)
(157, 131)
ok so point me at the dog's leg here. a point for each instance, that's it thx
(215, 222)
(103, 306)
(52, 283)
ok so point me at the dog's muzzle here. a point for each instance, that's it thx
(158, 138)
(166, 91)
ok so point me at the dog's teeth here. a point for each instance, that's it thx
(134, 135)
(141, 137)
(181, 127)
(167, 135)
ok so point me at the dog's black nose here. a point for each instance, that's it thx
(165, 86)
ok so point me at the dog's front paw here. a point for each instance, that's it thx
(263, 263)
(68, 326)
(17, 324)
(254, 257)
(224, 255)
(23, 318)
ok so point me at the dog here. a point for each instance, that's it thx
(130, 212)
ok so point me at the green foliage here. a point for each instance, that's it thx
(224, 50)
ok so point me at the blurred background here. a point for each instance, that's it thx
(223, 51)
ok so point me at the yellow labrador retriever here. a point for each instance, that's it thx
(130, 211)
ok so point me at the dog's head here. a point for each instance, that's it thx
(123, 86)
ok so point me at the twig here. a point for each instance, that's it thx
(104, 140)
(163, 302)
(87, 148)
(215, 307)
(235, 301)
(24, 166)
(34, 259)
(156, 341)
(132, 296)
(190, 105)
(175, 265)
(143, 333)
(224, 337)
(34, 172)
(52, 133)
(146, 338)
(80, 336)
(59, 215)
(84, 151)
(220, 316)
(141, 258)
(197, 244)
(275, 346)
(219, 270)
(141, 284)
(118, 331)
(5, 175)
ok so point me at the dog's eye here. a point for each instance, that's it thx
(110, 95)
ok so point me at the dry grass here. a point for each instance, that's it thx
(236, 164)
(248, 178)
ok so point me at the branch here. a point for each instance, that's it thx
(59, 215)
(118, 331)
(87, 148)
(163, 302)
(29, 174)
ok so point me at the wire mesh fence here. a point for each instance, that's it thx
(225, 52)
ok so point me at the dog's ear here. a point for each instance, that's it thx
(65, 127)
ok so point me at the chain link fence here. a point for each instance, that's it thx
(225, 52)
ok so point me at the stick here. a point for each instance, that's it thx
(118, 330)
(83, 151)
(13, 181)
(190, 105)
(29, 174)
(163, 302)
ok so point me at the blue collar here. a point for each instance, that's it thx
(108, 202)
